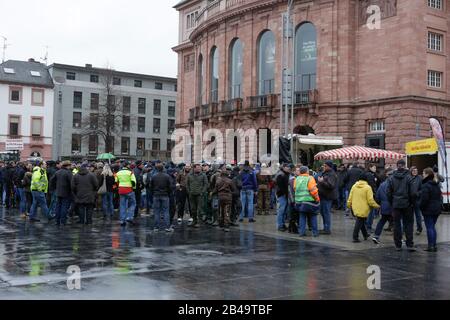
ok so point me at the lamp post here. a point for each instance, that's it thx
(288, 78)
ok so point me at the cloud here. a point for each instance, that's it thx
(133, 35)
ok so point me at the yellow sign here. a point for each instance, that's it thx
(427, 146)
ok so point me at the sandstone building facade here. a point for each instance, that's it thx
(374, 87)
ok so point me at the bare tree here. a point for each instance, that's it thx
(106, 117)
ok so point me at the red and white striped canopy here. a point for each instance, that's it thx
(358, 152)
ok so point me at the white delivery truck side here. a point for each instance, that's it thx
(443, 172)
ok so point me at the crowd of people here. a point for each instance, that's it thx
(223, 195)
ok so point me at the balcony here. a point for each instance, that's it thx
(206, 110)
(305, 98)
(263, 101)
(36, 141)
(231, 106)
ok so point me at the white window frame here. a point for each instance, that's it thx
(435, 4)
(434, 79)
(376, 126)
(435, 41)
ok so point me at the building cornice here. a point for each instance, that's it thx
(385, 101)
(183, 46)
(26, 84)
(116, 73)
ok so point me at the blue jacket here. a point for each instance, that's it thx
(382, 199)
(248, 178)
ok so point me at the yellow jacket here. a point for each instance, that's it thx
(361, 199)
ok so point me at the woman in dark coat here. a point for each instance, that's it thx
(431, 205)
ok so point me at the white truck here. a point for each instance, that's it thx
(443, 172)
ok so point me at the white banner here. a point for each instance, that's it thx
(14, 145)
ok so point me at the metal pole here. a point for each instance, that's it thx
(282, 76)
(293, 80)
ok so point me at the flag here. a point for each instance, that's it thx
(439, 135)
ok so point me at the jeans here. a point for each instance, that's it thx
(325, 211)
(38, 200)
(127, 206)
(369, 222)
(313, 223)
(108, 206)
(52, 207)
(430, 224)
(149, 199)
(407, 217)
(281, 211)
(247, 197)
(23, 200)
(7, 189)
(418, 214)
(380, 225)
(61, 210)
(342, 199)
(161, 209)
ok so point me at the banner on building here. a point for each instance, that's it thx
(420, 147)
(14, 145)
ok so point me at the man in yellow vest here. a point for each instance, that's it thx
(39, 187)
(307, 201)
(127, 183)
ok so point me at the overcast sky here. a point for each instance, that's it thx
(133, 35)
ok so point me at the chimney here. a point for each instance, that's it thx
(89, 66)
(31, 60)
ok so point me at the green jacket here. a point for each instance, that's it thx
(196, 184)
(39, 180)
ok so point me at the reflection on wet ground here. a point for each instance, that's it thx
(250, 262)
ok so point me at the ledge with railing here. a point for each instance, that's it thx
(37, 141)
(306, 97)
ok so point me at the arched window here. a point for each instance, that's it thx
(306, 57)
(200, 78)
(236, 69)
(214, 75)
(266, 63)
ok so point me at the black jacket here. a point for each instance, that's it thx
(160, 185)
(342, 178)
(282, 183)
(139, 178)
(430, 198)
(62, 181)
(8, 176)
(372, 180)
(400, 190)
(352, 177)
(84, 187)
(51, 171)
(328, 188)
(18, 176)
(110, 181)
(417, 186)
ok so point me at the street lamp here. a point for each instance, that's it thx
(288, 78)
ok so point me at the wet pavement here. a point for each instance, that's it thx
(251, 262)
